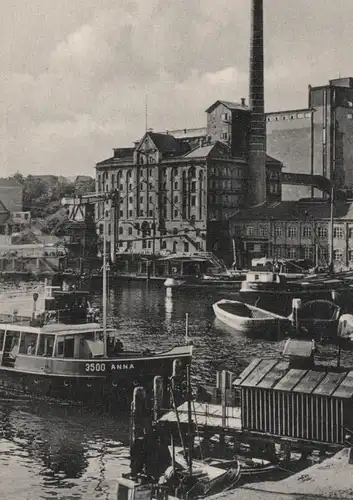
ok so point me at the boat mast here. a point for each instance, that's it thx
(104, 270)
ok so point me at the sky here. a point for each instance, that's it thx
(74, 74)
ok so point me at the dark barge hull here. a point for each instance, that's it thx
(112, 389)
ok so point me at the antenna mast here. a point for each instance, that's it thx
(146, 111)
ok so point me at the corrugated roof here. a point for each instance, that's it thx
(277, 375)
(296, 210)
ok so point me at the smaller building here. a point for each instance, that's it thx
(295, 230)
(289, 398)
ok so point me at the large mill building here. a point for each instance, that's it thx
(174, 192)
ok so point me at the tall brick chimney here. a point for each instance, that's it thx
(257, 132)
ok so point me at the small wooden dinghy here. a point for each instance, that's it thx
(246, 318)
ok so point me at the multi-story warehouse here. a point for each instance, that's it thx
(317, 140)
(295, 230)
(174, 195)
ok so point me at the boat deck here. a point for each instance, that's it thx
(206, 415)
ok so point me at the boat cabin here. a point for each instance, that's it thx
(263, 277)
(51, 341)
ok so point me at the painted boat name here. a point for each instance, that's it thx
(101, 367)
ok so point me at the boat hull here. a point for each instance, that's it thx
(113, 388)
(273, 323)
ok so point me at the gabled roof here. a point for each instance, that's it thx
(229, 104)
(165, 143)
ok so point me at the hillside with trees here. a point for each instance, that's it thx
(42, 196)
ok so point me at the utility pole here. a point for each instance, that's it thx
(332, 202)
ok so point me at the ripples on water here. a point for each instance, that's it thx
(49, 450)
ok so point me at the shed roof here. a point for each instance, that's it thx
(277, 374)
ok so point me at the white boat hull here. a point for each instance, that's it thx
(263, 321)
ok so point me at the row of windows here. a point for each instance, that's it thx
(226, 172)
(293, 116)
(228, 184)
(302, 252)
(292, 231)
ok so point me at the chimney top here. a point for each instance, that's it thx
(242, 101)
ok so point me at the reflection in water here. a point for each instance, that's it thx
(49, 450)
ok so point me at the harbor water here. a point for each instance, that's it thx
(55, 450)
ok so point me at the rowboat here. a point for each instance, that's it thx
(317, 318)
(247, 318)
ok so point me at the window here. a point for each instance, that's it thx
(28, 343)
(292, 253)
(176, 185)
(131, 199)
(121, 187)
(113, 180)
(176, 199)
(2, 335)
(308, 253)
(109, 229)
(278, 231)
(141, 213)
(121, 230)
(130, 230)
(224, 136)
(144, 244)
(130, 213)
(350, 255)
(163, 244)
(46, 344)
(300, 115)
(121, 213)
(306, 232)
(322, 232)
(150, 213)
(338, 255)
(193, 187)
(176, 213)
(149, 243)
(186, 246)
(349, 116)
(292, 232)
(338, 233)
(307, 115)
(250, 231)
(130, 187)
(193, 201)
(175, 246)
(262, 231)
(350, 232)
(101, 228)
(141, 199)
(250, 247)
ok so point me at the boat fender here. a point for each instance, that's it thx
(89, 385)
(36, 381)
(114, 384)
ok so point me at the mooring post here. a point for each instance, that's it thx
(157, 396)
